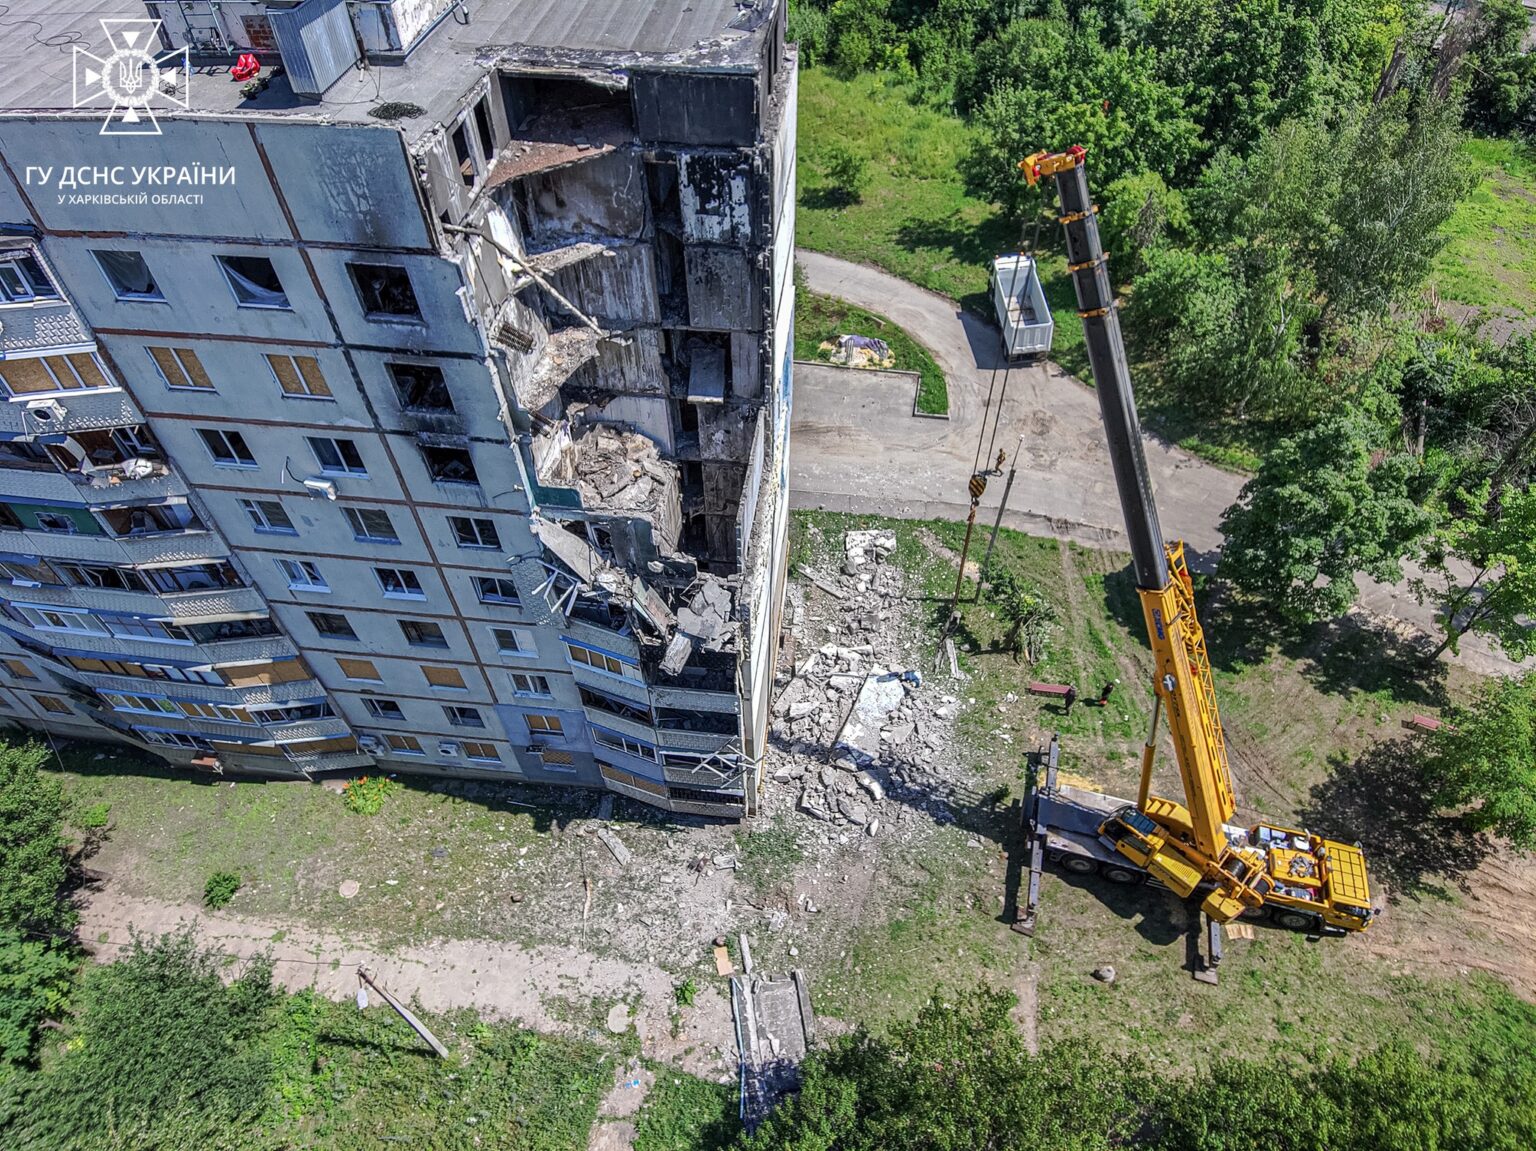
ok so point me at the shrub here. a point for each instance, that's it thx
(367, 793)
(94, 817)
(685, 993)
(220, 888)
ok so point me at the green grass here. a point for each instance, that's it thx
(821, 319)
(1489, 261)
(915, 220)
(684, 1113)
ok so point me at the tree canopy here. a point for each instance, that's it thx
(1483, 761)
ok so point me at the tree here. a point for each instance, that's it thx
(32, 862)
(1502, 75)
(1492, 590)
(35, 979)
(1030, 617)
(1321, 511)
(1484, 761)
(847, 171)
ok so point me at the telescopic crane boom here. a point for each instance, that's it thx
(1189, 846)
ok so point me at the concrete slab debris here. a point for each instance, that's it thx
(614, 845)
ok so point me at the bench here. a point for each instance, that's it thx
(1055, 690)
(1423, 723)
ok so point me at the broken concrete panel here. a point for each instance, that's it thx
(706, 375)
(724, 289)
(628, 365)
(746, 366)
(604, 196)
(651, 416)
(617, 290)
(714, 197)
(691, 108)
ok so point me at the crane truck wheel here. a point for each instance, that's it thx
(1295, 920)
(1124, 875)
(1079, 864)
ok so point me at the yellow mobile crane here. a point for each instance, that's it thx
(1301, 880)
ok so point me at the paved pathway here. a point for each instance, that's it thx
(856, 446)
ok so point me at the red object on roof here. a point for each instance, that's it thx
(245, 67)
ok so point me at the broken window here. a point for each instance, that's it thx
(303, 575)
(331, 625)
(254, 281)
(180, 368)
(685, 719)
(613, 706)
(495, 589)
(299, 376)
(23, 455)
(463, 716)
(227, 447)
(194, 577)
(385, 291)
(128, 275)
(152, 520)
(420, 633)
(383, 708)
(483, 128)
(421, 387)
(371, 525)
(269, 516)
(623, 743)
(22, 280)
(258, 628)
(525, 683)
(450, 465)
(462, 154)
(337, 457)
(474, 533)
(513, 641)
(399, 583)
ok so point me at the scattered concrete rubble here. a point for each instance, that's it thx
(852, 732)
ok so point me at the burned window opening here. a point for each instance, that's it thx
(385, 291)
(421, 387)
(450, 465)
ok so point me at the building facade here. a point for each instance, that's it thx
(434, 421)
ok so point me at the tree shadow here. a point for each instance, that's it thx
(827, 198)
(1379, 800)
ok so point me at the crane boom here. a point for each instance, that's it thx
(1188, 845)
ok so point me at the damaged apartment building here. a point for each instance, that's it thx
(421, 404)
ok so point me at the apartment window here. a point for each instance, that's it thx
(623, 743)
(60, 620)
(173, 739)
(193, 577)
(484, 752)
(371, 525)
(421, 387)
(385, 291)
(133, 627)
(420, 633)
(557, 760)
(23, 280)
(450, 465)
(24, 455)
(404, 744)
(497, 589)
(43, 374)
(254, 281)
(513, 641)
(331, 624)
(18, 669)
(526, 684)
(128, 275)
(180, 368)
(228, 448)
(299, 376)
(543, 724)
(468, 168)
(483, 128)
(214, 711)
(449, 677)
(337, 457)
(463, 716)
(399, 583)
(98, 576)
(599, 661)
(56, 523)
(363, 670)
(383, 708)
(269, 516)
(52, 703)
(474, 533)
(303, 575)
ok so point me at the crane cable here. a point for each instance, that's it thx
(1033, 252)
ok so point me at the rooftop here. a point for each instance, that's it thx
(37, 51)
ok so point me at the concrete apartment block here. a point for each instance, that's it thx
(424, 408)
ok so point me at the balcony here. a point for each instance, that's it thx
(701, 741)
(164, 547)
(83, 412)
(179, 606)
(300, 730)
(695, 700)
(333, 761)
(72, 488)
(630, 690)
(639, 731)
(295, 690)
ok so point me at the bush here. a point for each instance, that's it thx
(366, 794)
(165, 1055)
(95, 817)
(220, 888)
(685, 993)
(847, 172)
(35, 978)
(32, 863)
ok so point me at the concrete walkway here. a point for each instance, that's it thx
(856, 447)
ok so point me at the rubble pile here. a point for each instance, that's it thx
(858, 742)
(621, 471)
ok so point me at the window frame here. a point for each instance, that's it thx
(515, 600)
(314, 617)
(306, 569)
(528, 689)
(463, 715)
(475, 523)
(359, 532)
(248, 461)
(341, 468)
(307, 385)
(229, 275)
(255, 507)
(29, 279)
(493, 757)
(420, 594)
(176, 354)
(408, 625)
(157, 296)
(517, 633)
(341, 666)
(373, 702)
(402, 744)
(355, 266)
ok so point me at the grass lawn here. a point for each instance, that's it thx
(1490, 260)
(915, 220)
(684, 1113)
(1301, 707)
(821, 319)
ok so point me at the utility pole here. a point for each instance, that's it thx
(416, 1024)
(977, 487)
(998, 523)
